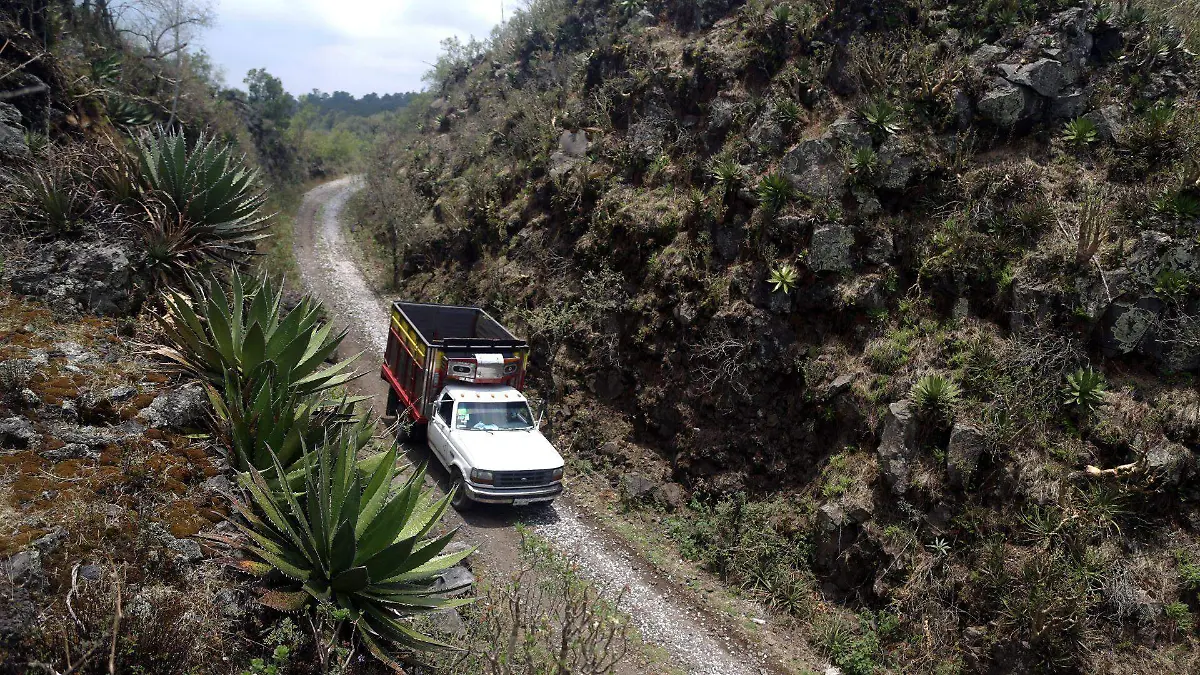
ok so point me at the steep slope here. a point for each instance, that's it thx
(903, 297)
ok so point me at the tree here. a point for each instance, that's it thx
(267, 96)
(164, 29)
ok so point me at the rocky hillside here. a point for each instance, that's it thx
(904, 299)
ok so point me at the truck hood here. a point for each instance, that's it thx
(516, 450)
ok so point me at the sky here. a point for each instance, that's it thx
(359, 46)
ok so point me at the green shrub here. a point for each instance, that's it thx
(348, 545)
(1180, 617)
(936, 396)
(1085, 389)
(1172, 284)
(262, 416)
(858, 650)
(756, 546)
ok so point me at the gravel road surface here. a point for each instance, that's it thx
(662, 612)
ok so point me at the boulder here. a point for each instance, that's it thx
(25, 567)
(815, 168)
(1128, 325)
(986, 55)
(607, 384)
(49, 542)
(898, 446)
(1109, 122)
(187, 549)
(829, 250)
(964, 108)
(186, 406)
(635, 487)
(880, 248)
(899, 166)
(850, 133)
(1069, 105)
(70, 451)
(1170, 463)
(454, 581)
(767, 133)
(967, 445)
(572, 147)
(1045, 76)
(18, 433)
(671, 496)
(120, 393)
(12, 135)
(92, 276)
(1006, 104)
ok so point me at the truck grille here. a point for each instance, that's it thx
(519, 479)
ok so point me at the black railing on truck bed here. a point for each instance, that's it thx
(454, 328)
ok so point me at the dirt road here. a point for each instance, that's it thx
(664, 614)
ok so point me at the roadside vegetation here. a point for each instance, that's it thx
(185, 483)
(890, 310)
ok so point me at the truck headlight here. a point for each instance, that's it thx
(557, 475)
(478, 476)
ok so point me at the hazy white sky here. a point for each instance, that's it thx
(359, 46)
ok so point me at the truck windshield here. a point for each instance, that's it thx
(493, 416)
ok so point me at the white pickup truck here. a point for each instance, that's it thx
(459, 374)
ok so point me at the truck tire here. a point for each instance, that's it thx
(393, 403)
(460, 502)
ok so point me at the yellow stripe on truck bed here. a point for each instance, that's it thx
(415, 346)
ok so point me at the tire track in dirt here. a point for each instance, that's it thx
(662, 613)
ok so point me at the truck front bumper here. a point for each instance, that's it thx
(485, 494)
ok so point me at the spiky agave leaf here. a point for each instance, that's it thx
(346, 541)
(209, 189)
(245, 330)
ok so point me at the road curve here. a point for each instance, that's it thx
(662, 613)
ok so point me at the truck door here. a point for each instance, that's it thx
(439, 430)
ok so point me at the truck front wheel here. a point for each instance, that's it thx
(393, 403)
(461, 501)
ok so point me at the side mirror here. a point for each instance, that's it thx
(540, 416)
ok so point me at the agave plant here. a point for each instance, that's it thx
(783, 278)
(1085, 389)
(125, 113)
(774, 191)
(881, 117)
(263, 421)
(208, 189)
(1081, 132)
(727, 175)
(116, 179)
(787, 112)
(245, 330)
(52, 200)
(782, 18)
(165, 243)
(863, 163)
(345, 543)
(936, 395)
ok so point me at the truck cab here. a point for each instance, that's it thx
(457, 374)
(487, 438)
